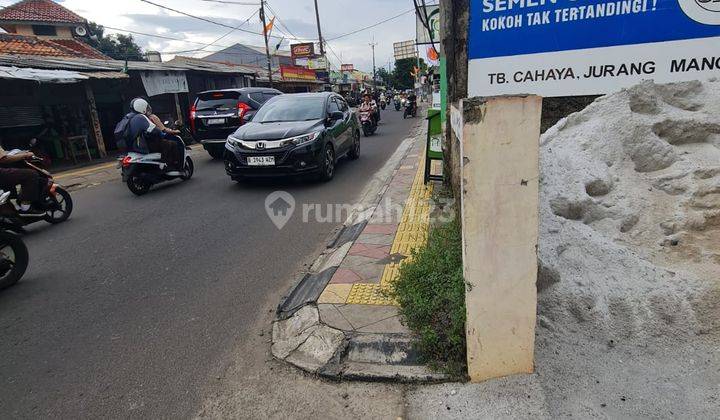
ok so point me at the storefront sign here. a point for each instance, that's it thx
(347, 67)
(158, 82)
(322, 75)
(297, 73)
(306, 49)
(312, 63)
(564, 47)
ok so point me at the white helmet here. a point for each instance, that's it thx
(139, 105)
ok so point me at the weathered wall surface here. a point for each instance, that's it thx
(500, 174)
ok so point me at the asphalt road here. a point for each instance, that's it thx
(159, 306)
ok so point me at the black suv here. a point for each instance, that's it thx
(303, 133)
(217, 113)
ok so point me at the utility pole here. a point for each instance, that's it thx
(320, 38)
(267, 48)
(317, 18)
(372, 45)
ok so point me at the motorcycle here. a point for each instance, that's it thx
(14, 256)
(410, 109)
(398, 104)
(383, 104)
(55, 201)
(141, 171)
(368, 123)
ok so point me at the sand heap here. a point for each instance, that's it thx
(630, 215)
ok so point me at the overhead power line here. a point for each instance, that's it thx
(204, 19)
(241, 3)
(218, 39)
(370, 26)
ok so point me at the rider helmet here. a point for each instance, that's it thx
(139, 105)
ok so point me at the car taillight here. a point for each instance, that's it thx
(242, 108)
(193, 114)
(126, 161)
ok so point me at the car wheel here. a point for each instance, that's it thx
(354, 153)
(327, 171)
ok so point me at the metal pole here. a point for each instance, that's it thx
(267, 48)
(372, 45)
(317, 18)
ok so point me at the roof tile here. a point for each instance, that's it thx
(30, 45)
(39, 11)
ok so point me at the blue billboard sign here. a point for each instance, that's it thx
(573, 47)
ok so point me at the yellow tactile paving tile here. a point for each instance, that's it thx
(369, 294)
(411, 233)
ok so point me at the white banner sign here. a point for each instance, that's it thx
(158, 82)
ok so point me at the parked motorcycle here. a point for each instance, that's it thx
(14, 256)
(410, 109)
(55, 201)
(369, 126)
(141, 171)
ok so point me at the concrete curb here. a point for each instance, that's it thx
(300, 337)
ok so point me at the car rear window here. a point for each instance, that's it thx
(217, 101)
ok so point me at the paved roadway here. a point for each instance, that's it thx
(159, 306)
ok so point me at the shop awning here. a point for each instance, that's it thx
(41, 75)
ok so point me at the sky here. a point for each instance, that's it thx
(337, 17)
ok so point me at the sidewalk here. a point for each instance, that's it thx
(338, 321)
(355, 298)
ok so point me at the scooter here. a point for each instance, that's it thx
(398, 104)
(55, 201)
(368, 123)
(141, 171)
(383, 104)
(410, 109)
(14, 255)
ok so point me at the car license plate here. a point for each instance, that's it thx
(261, 160)
(216, 121)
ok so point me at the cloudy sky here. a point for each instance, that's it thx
(338, 17)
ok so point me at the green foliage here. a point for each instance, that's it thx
(401, 75)
(431, 292)
(117, 46)
(384, 75)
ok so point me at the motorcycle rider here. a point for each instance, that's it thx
(28, 179)
(169, 135)
(412, 98)
(146, 136)
(369, 105)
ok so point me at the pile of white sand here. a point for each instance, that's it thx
(629, 281)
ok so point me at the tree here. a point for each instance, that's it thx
(117, 46)
(384, 75)
(402, 75)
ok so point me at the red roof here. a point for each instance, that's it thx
(39, 11)
(30, 45)
(80, 48)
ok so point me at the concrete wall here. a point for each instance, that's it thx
(500, 173)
